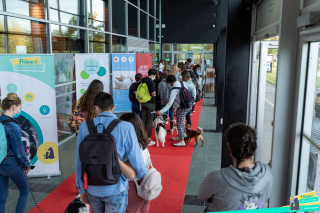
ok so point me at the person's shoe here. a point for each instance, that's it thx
(151, 142)
(176, 138)
(190, 113)
(193, 111)
(179, 144)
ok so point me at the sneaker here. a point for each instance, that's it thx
(190, 113)
(180, 143)
(193, 111)
(151, 142)
(176, 138)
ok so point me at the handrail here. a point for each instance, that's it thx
(311, 141)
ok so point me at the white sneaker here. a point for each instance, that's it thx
(180, 143)
(151, 142)
(176, 138)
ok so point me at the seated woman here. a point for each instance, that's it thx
(245, 184)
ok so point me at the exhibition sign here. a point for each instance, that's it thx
(123, 73)
(24, 75)
(144, 63)
(90, 67)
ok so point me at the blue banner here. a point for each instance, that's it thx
(123, 76)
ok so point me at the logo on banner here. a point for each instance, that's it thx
(131, 59)
(12, 88)
(91, 66)
(143, 69)
(116, 59)
(30, 64)
(44, 110)
(29, 97)
(48, 153)
(124, 59)
(82, 91)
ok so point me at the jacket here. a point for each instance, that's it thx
(132, 95)
(14, 142)
(164, 92)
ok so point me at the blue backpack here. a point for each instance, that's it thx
(3, 140)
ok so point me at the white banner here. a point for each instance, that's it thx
(90, 67)
(32, 77)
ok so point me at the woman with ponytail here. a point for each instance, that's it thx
(244, 185)
(15, 165)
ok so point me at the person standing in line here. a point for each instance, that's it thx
(174, 101)
(157, 81)
(150, 106)
(110, 198)
(135, 105)
(245, 184)
(15, 165)
(175, 71)
(164, 94)
(136, 203)
(84, 109)
(161, 66)
(186, 78)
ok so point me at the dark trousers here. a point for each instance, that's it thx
(170, 112)
(147, 117)
(136, 108)
(188, 117)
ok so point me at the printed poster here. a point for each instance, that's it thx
(90, 67)
(31, 77)
(144, 63)
(123, 73)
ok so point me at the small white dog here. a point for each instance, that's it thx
(161, 131)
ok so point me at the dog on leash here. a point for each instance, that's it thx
(194, 134)
(76, 206)
(175, 127)
(161, 130)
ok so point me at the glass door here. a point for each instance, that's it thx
(180, 57)
(309, 175)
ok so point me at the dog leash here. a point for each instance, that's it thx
(34, 199)
(179, 124)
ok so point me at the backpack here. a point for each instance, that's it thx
(99, 157)
(198, 97)
(150, 187)
(186, 98)
(142, 94)
(3, 140)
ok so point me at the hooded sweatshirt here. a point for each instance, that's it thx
(234, 189)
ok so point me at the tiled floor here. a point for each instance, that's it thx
(204, 160)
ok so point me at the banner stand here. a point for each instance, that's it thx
(49, 175)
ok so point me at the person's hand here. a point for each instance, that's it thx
(154, 94)
(158, 113)
(84, 198)
(27, 170)
(134, 92)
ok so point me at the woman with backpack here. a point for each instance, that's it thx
(164, 94)
(244, 185)
(84, 109)
(14, 165)
(136, 203)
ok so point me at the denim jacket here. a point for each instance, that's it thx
(15, 145)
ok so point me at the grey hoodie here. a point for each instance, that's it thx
(232, 189)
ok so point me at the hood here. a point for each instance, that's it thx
(251, 181)
(5, 117)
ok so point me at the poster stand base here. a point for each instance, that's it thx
(48, 175)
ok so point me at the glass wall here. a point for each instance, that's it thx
(76, 26)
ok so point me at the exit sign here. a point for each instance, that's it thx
(271, 8)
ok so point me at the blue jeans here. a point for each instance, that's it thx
(170, 112)
(9, 168)
(115, 204)
(136, 108)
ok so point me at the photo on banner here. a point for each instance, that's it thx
(24, 75)
(90, 67)
(144, 63)
(123, 73)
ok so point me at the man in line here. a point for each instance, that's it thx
(175, 101)
(115, 196)
(186, 78)
(135, 105)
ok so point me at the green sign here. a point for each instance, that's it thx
(167, 59)
(271, 8)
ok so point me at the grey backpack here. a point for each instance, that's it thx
(150, 187)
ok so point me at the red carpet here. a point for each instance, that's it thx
(172, 162)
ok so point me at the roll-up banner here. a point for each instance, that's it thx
(123, 73)
(90, 67)
(31, 77)
(144, 63)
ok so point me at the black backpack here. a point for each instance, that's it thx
(186, 98)
(198, 97)
(99, 157)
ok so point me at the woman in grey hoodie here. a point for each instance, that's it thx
(243, 185)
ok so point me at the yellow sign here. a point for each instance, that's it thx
(29, 96)
(25, 61)
(48, 153)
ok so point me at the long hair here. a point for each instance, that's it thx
(174, 69)
(135, 120)
(86, 101)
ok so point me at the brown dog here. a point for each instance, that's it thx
(194, 134)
